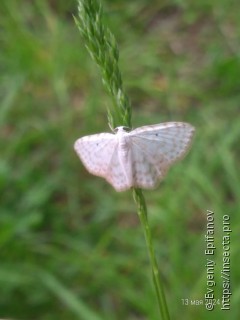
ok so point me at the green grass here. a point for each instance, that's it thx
(70, 246)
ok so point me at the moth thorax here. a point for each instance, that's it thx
(124, 145)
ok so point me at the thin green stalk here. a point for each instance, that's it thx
(142, 213)
(102, 47)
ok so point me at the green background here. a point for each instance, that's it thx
(70, 246)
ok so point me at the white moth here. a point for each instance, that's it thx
(139, 158)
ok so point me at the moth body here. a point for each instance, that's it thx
(139, 158)
(124, 154)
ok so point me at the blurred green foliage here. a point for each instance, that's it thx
(70, 246)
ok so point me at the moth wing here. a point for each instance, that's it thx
(99, 154)
(155, 148)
